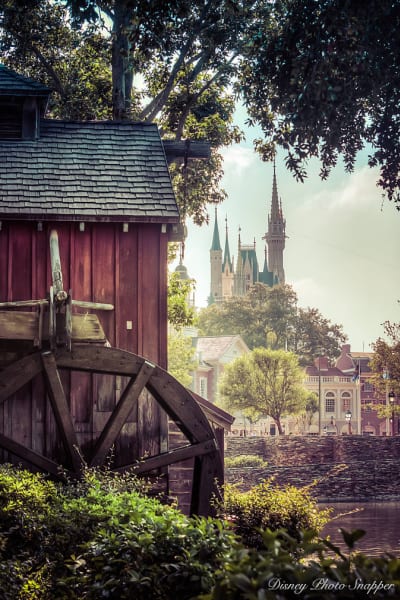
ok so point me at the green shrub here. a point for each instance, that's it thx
(274, 571)
(266, 506)
(244, 460)
(101, 538)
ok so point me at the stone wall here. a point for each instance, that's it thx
(341, 468)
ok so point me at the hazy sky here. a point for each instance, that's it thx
(343, 243)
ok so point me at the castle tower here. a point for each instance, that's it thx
(275, 236)
(216, 265)
(227, 268)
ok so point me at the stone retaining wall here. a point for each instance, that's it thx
(345, 468)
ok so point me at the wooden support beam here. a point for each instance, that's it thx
(169, 458)
(177, 402)
(121, 413)
(61, 410)
(43, 463)
(16, 375)
(206, 474)
(186, 149)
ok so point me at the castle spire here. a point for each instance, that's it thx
(275, 212)
(216, 245)
(275, 235)
(227, 255)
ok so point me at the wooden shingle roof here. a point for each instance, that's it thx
(14, 84)
(87, 170)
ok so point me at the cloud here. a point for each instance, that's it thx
(238, 158)
(308, 291)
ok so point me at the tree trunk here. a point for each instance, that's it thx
(121, 77)
(279, 426)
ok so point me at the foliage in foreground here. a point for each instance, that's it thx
(324, 572)
(102, 538)
(268, 506)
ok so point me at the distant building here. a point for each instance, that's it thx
(338, 395)
(356, 364)
(228, 279)
(213, 353)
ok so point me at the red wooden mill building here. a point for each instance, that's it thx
(86, 213)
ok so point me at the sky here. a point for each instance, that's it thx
(343, 239)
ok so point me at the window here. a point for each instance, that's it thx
(368, 387)
(346, 401)
(203, 387)
(329, 402)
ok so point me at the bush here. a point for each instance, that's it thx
(244, 460)
(101, 538)
(271, 507)
(274, 572)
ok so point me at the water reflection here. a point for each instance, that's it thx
(379, 520)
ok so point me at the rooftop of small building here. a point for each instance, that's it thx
(12, 83)
(87, 170)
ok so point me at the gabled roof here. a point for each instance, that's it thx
(212, 348)
(87, 170)
(13, 84)
(214, 413)
(313, 371)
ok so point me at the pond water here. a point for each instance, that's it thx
(379, 520)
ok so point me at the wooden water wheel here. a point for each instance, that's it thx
(49, 343)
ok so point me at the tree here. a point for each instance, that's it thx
(36, 39)
(180, 313)
(262, 311)
(269, 317)
(323, 81)
(385, 365)
(264, 382)
(181, 357)
(168, 62)
(321, 77)
(314, 335)
(306, 416)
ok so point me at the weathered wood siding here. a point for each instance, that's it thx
(103, 264)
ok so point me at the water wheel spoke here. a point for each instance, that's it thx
(207, 470)
(29, 455)
(61, 409)
(120, 413)
(169, 458)
(15, 376)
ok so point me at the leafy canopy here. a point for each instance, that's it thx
(264, 382)
(324, 81)
(321, 78)
(181, 357)
(385, 365)
(269, 317)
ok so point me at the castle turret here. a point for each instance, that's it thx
(275, 236)
(216, 265)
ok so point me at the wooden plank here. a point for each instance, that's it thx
(207, 470)
(100, 359)
(186, 148)
(120, 414)
(169, 458)
(24, 326)
(177, 402)
(16, 375)
(180, 405)
(61, 409)
(30, 456)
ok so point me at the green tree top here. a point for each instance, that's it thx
(321, 77)
(264, 382)
(270, 317)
